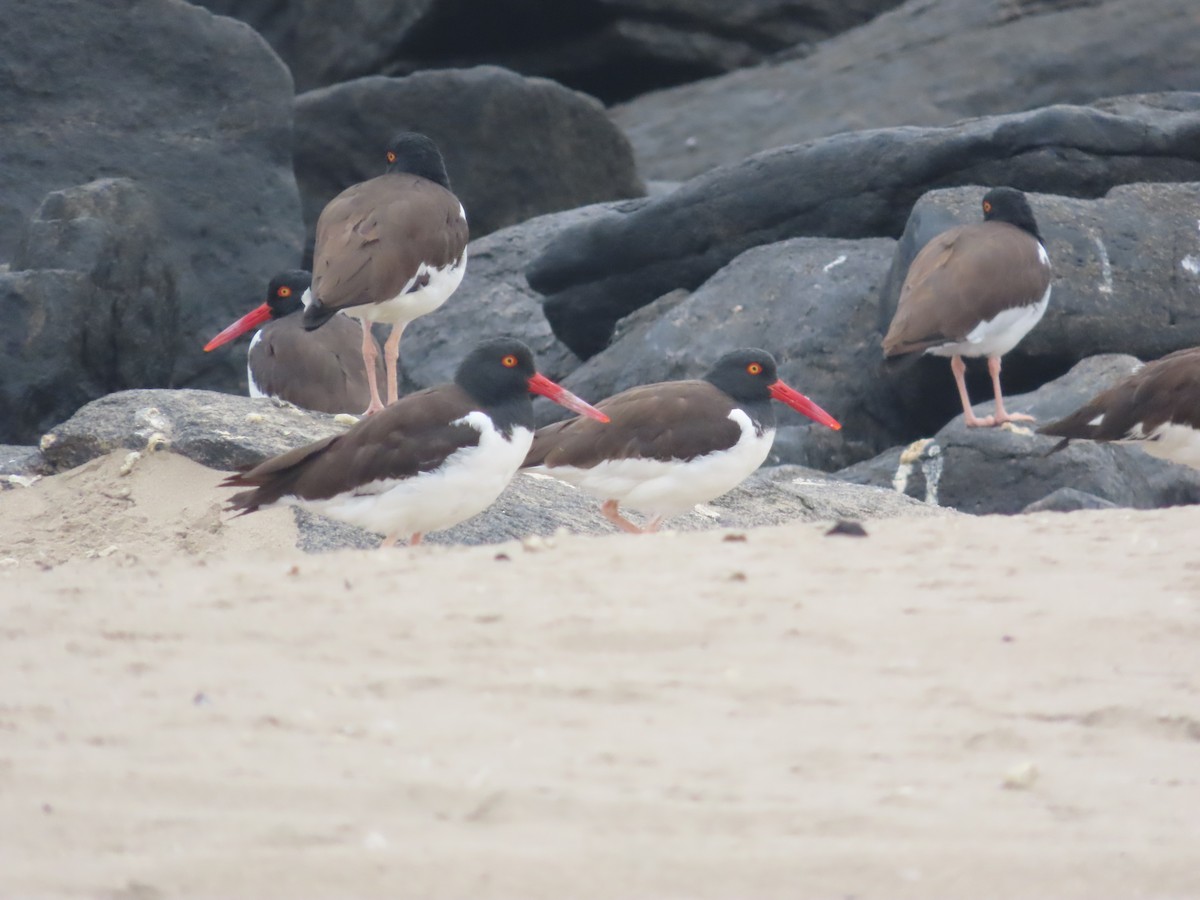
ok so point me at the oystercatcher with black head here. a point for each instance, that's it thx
(318, 370)
(674, 444)
(1156, 408)
(427, 462)
(976, 290)
(389, 250)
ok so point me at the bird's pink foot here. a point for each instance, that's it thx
(609, 509)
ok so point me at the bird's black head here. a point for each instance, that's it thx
(285, 291)
(417, 155)
(496, 371)
(752, 379)
(745, 375)
(1005, 204)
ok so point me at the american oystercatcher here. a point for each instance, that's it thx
(320, 370)
(1156, 408)
(976, 290)
(389, 250)
(674, 444)
(427, 462)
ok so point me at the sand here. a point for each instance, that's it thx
(191, 708)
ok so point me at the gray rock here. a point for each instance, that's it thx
(812, 302)
(853, 185)
(924, 63)
(1126, 280)
(613, 49)
(539, 506)
(220, 431)
(1068, 499)
(93, 305)
(515, 147)
(22, 461)
(1003, 470)
(324, 43)
(494, 299)
(193, 107)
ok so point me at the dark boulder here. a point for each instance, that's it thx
(812, 302)
(92, 305)
(514, 147)
(324, 43)
(924, 63)
(1126, 280)
(193, 107)
(612, 49)
(495, 299)
(1004, 470)
(860, 184)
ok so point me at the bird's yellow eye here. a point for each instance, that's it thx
(284, 291)
(509, 362)
(754, 368)
(391, 156)
(987, 206)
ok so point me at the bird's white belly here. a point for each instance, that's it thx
(466, 484)
(1177, 443)
(665, 489)
(997, 336)
(406, 305)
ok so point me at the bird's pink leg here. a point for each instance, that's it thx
(1002, 415)
(653, 524)
(609, 509)
(370, 354)
(415, 539)
(391, 356)
(959, 368)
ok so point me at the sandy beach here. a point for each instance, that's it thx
(961, 707)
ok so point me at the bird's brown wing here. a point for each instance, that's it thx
(409, 437)
(667, 421)
(964, 276)
(319, 370)
(1166, 391)
(373, 237)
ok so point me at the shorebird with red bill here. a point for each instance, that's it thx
(389, 250)
(1156, 408)
(429, 461)
(318, 370)
(976, 290)
(673, 444)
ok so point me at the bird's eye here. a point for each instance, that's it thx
(284, 291)
(987, 206)
(754, 368)
(391, 156)
(509, 362)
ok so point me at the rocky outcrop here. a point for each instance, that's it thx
(928, 62)
(1004, 470)
(853, 185)
(812, 302)
(194, 108)
(613, 49)
(91, 305)
(221, 431)
(514, 147)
